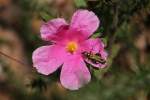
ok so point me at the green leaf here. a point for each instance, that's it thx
(105, 40)
(96, 35)
(45, 16)
(80, 3)
(99, 73)
(101, 30)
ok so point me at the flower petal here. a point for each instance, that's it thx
(47, 59)
(86, 21)
(49, 29)
(74, 73)
(95, 46)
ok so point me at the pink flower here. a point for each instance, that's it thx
(68, 44)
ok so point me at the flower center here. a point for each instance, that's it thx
(71, 47)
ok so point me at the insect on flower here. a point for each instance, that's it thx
(94, 58)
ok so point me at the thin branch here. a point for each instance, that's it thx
(14, 59)
(114, 27)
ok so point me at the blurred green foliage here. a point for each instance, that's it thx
(80, 3)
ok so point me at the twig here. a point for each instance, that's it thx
(14, 59)
(115, 24)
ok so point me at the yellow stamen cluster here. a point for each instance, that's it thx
(71, 47)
